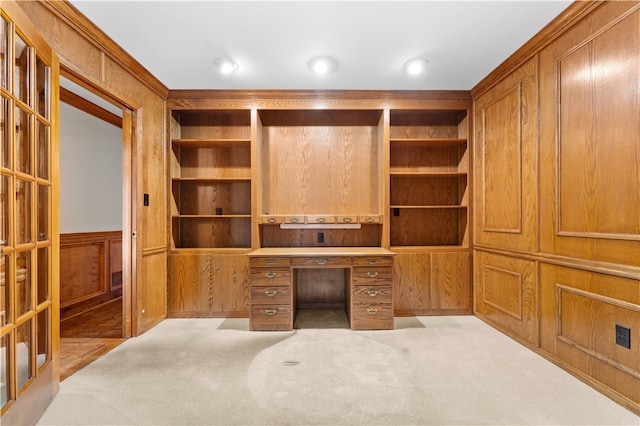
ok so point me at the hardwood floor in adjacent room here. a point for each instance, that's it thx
(88, 336)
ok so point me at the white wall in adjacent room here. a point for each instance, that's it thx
(90, 173)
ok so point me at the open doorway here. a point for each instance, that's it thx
(91, 226)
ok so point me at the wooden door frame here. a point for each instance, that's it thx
(129, 180)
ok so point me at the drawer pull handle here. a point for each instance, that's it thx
(369, 219)
(270, 293)
(372, 292)
(372, 261)
(372, 311)
(270, 312)
(346, 219)
(372, 274)
(272, 220)
(321, 261)
(270, 261)
(294, 220)
(270, 274)
(321, 220)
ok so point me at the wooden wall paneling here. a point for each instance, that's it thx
(321, 288)
(208, 285)
(590, 161)
(90, 265)
(411, 283)
(151, 301)
(98, 62)
(451, 288)
(320, 169)
(506, 149)
(579, 312)
(506, 294)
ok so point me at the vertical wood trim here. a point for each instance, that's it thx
(384, 203)
(128, 220)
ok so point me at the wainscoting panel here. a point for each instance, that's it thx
(579, 313)
(90, 270)
(507, 294)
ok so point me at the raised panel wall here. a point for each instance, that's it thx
(579, 312)
(506, 293)
(506, 162)
(590, 139)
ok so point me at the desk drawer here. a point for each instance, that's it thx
(271, 317)
(270, 276)
(373, 261)
(270, 295)
(372, 276)
(269, 262)
(316, 262)
(372, 295)
(374, 317)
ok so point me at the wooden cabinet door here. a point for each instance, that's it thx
(451, 281)
(29, 233)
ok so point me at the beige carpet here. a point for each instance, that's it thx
(429, 370)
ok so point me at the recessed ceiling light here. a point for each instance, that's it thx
(415, 66)
(323, 64)
(225, 65)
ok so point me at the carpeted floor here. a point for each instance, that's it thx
(429, 370)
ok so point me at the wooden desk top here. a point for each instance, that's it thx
(320, 251)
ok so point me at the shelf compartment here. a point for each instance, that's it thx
(206, 160)
(419, 157)
(428, 124)
(428, 226)
(365, 236)
(212, 231)
(211, 124)
(411, 189)
(212, 196)
(427, 142)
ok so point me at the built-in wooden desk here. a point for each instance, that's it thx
(369, 296)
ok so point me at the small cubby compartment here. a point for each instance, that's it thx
(434, 226)
(212, 197)
(211, 232)
(419, 190)
(364, 236)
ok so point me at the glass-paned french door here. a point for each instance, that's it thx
(26, 198)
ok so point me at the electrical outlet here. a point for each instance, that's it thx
(321, 237)
(623, 336)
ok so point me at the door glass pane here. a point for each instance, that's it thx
(4, 51)
(42, 88)
(23, 212)
(23, 282)
(21, 74)
(5, 268)
(42, 138)
(42, 338)
(23, 133)
(4, 210)
(43, 275)
(4, 132)
(4, 370)
(22, 354)
(43, 212)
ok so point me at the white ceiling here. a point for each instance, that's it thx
(273, 41)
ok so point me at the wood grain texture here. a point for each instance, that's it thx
(506, 139)
(88, 263)
(321, 288)
(579, 311)
(201, 284)
(506, 293)
(411, 282)
(451, 281)
(590, 209)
